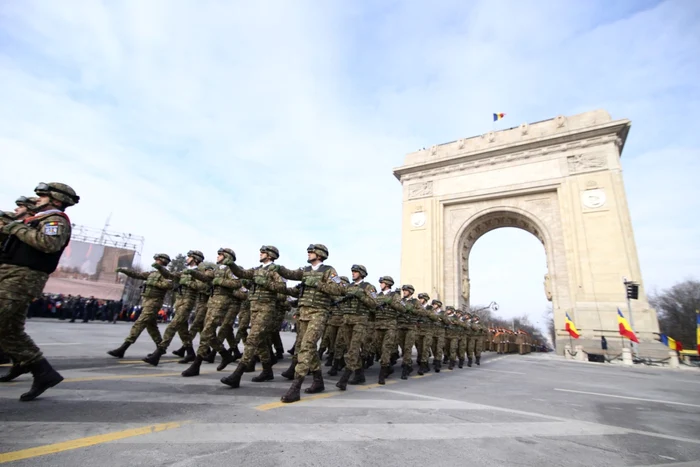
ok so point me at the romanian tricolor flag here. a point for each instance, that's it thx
(625, 328)
(571, 328)
(669, 342)
(497, 117)
(697, 342)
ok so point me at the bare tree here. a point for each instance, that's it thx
(676, 308)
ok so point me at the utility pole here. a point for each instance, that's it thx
(632, 292)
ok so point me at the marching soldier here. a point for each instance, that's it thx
(338, 305)
(185, 299)
(226, 330)
(424, 334)
(406, 323)
(31, 251)
(388, 308)
(438, 335)
(320, 283)
(200, 309)
(360, 297)
(267, 283)
(153, 294)
(451, 336)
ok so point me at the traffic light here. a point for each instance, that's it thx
(632, 291)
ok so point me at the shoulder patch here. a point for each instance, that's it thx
(51, 229)
(373, 295)
(336, 279)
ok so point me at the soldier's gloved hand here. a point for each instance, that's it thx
(120, 270)
(217, 281)
(260, 280)
(228, 261)
(155, 265)
(12, 227)
(311, 281)
(187, 271)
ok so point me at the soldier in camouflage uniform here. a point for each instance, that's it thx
(465, 329)
(407, 326)
(31, 250)
(480, 335)
(225, 334)
(388, 308)
(319, 283)
(451, 336)
(223, 283)
(359, 300)
(335, 322)
(154, 290)
(263, 296)
(243, 318)
(424, 334)
(339, 347)
(283, 307)
(200, 309)
(438, 335)
(185, 299)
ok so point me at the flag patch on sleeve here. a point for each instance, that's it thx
(336, 279)
(51, 229)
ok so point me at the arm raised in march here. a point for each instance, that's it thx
(134, 274)
(49, 236)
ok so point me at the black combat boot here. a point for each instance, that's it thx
(119, 352)
(292, 394)
(189, 355)
(4, 358)
(461, 363)
(292, 350)
(420, 368)
(280, 354)
(251, 367)
(266, 375)
(444, 359)
(45, 377)
(359, 377)
(335, 368)
(436, 365)
(154, 358)
(451, 366)
(236, 353)
(410, 369)
(234, 379)
(394, 358)
(15, 371)
(369, 361)
(193, 370)
(179, 352)
(289, 372)
(330, 359)
(273, 358)
(469, 362)
(383, 371)
(404, 371)
(317, 384)
(210, 357)
(390, 370)
(226, 358)
(342, 383)
(478, 360)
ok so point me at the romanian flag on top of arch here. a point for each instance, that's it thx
(498, 116)
(625, 328)
(697, 342)
(571, 328)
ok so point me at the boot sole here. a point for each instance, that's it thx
(43, 390)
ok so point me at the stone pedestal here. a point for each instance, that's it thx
(580, 356)
(567, 352)
(627, 357)
(673, 361)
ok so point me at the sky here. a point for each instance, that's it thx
(210, 124)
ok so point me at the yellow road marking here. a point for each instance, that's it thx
(85, 442)
(421, 376)
(172, 360)
(6, 364)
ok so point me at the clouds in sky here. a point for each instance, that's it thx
(209, 124)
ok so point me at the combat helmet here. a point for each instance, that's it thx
(271, 251)
(162, 256)
(424, 296)
(58, 191)
(388, 280)
(197, 255)
(344, 279)
(408, 287)
(320, 250)
(359, 268)
(227, 252)
(207, 266)
(436, 302)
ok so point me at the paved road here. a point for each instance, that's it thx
(513, 410)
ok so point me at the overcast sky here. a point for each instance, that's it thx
(210, 124)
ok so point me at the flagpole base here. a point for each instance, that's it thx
(627, 357)
(580, 356)
(673, 361)
(567, 352)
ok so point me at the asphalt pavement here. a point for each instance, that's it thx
(532, 410)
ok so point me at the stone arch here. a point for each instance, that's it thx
(490, 219)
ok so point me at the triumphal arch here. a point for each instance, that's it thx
(560, 180)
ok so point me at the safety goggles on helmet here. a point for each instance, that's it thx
(23, 201)
(46, 188)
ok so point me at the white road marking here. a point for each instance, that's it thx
(59, 343)
(628, 397)
(502, 371)
(666, 457)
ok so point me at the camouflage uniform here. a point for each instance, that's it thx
(388, 307)
(438, 337)
(226, 329)
(243, 323)
(223, 285)
(407, 326)
(480, 335)
(424, 335)
(451, 336)
(332, 332)
(203, 294)
(320, 282)
(357, 303)
(152, 296)
(31, 250)
(263, 296)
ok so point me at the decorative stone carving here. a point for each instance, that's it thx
(418, 219)
(560, 121)
(591, 184)
(524, 128)
(420, 190)
(548, 287)
(465, 288)
(593, 199)
(433, 150)
(462, 143)
(492, 136)
(586, 162)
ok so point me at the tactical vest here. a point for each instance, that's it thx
(187, 286)
(439, 324)
(311, 296)
(16, 252)
(352, 305)
(221, 289)
(150, 291)
(386, 311)
(261, 294)
(408, 316)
